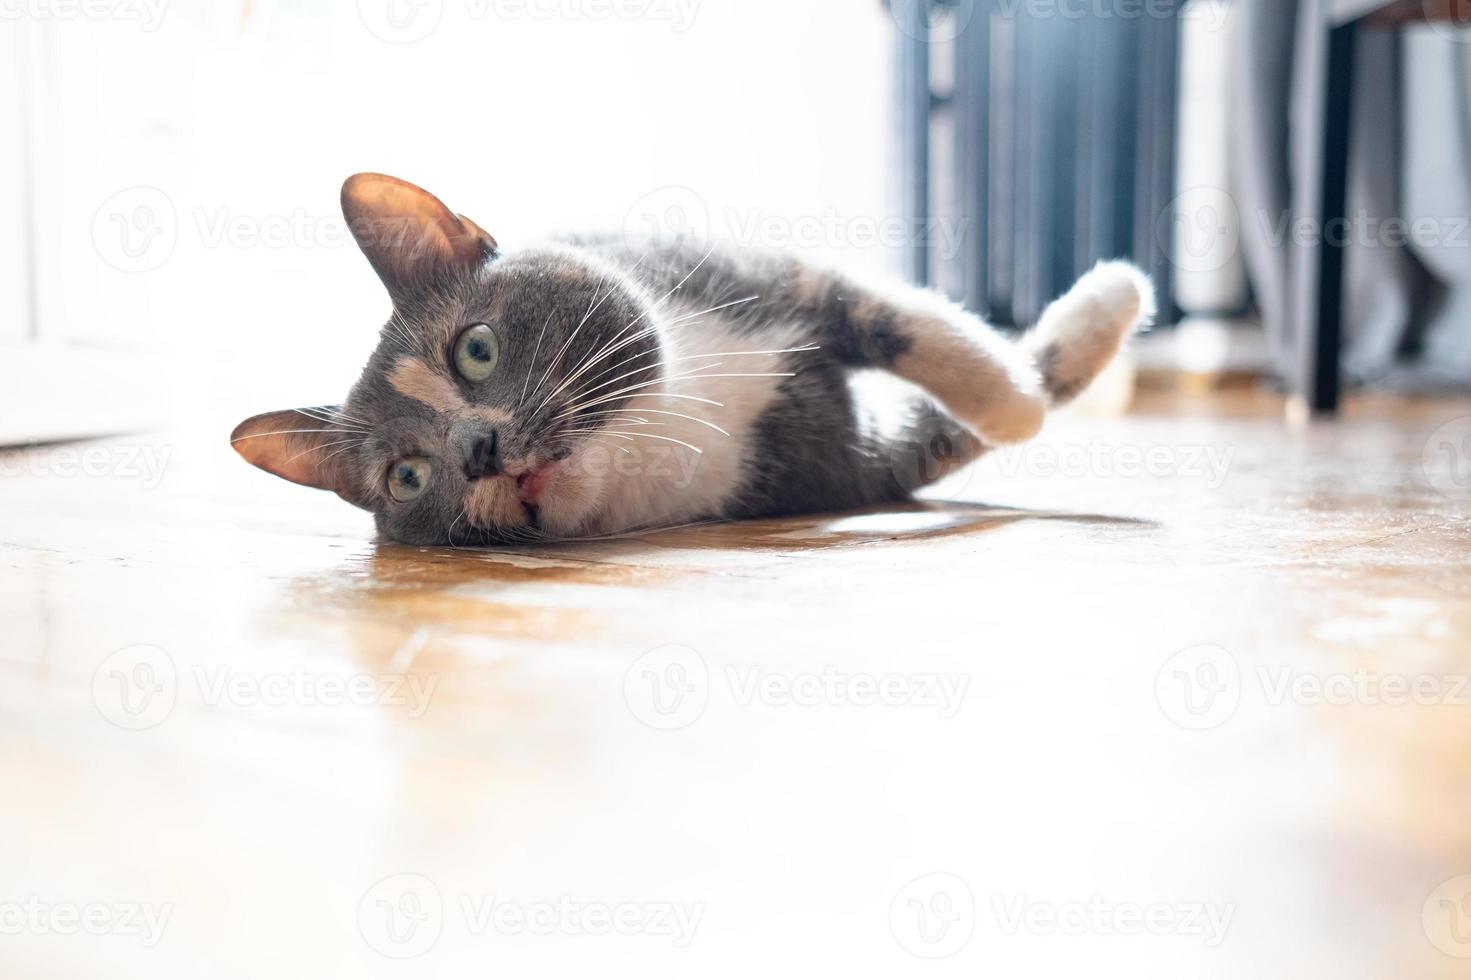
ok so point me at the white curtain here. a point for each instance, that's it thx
(1407, 318)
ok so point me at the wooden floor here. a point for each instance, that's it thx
(1182, 694)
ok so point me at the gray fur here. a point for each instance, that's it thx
(560, 307)
(810, 454)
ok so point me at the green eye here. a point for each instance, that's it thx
(409, 477)
(476, 352)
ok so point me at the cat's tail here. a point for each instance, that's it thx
(1081, 332)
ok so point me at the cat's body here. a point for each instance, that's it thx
(799, 441)
(597, 386)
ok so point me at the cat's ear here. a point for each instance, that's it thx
(305, 447)
(408, 235)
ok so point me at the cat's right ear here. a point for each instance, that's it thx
(408, 234)
(305, 447)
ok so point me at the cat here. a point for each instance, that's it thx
(596, 386)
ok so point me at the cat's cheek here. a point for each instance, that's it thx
(570, 499)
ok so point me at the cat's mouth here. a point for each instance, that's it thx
(529, 487)
(533, 483)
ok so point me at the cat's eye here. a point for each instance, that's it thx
(409, 477)
(476, 352)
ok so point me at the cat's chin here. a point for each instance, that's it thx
(565, 496)
(564, 515)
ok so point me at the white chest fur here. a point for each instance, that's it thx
(686, 450)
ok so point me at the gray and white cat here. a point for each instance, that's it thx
(595, 386)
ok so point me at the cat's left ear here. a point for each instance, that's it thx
(408, 234)
(300, 446)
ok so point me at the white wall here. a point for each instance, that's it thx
(226, 122)
(14, 270)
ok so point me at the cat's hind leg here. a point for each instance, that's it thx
(927, 446)
(976, 375)
(988, 390)
(998, 388)
(1081, 332)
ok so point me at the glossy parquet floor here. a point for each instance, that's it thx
(1181, 694)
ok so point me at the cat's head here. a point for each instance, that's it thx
(479, 418)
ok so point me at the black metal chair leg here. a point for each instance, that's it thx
(1321, 282)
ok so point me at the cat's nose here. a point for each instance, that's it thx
(482, 456)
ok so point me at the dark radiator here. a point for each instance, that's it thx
(1033, 138)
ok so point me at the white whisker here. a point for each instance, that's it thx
(280, 432)
(628, 374)
(713, 309)
(532, 366)
(675, 360)
(325, 445)
(332, 416)
(680, 415)
(649, 435)
(601, 399)
(615, 345)
(338, 452)
(450, 534)
(578, 329)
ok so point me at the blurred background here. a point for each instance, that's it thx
(169, 172)
(1219, 661)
